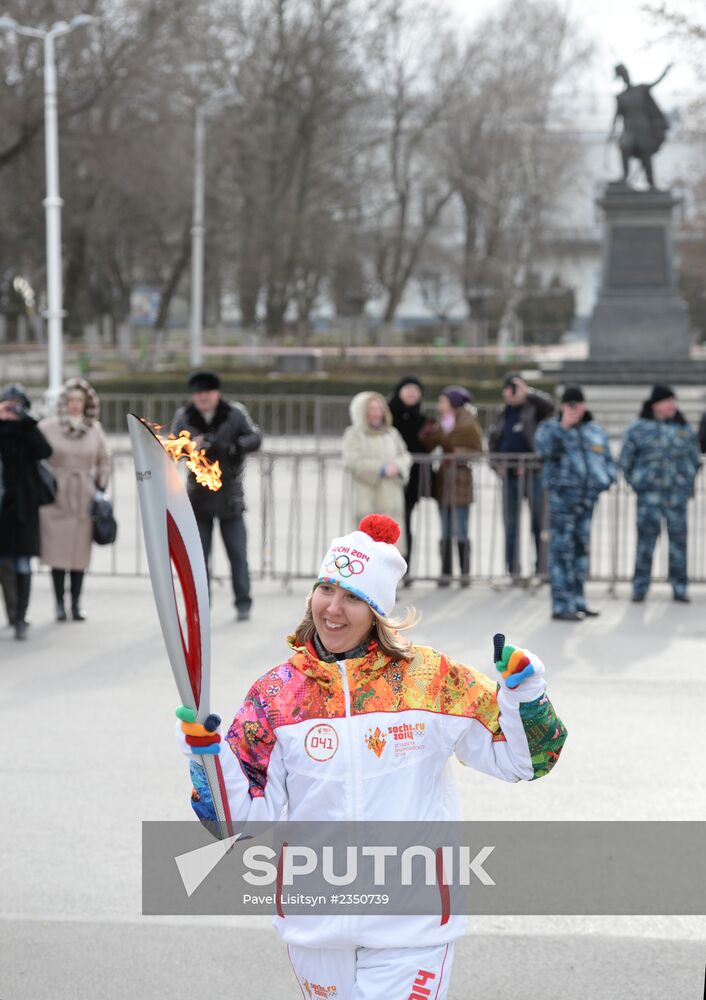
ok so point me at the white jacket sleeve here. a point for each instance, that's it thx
(253, 768)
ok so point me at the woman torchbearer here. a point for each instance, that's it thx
(300, 747)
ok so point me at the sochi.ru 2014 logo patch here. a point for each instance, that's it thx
(375, 740)
(407, 737)
(321, 742)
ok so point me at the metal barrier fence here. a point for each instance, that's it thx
(311, 418)
(298, 502)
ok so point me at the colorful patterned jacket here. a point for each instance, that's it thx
(369, 739)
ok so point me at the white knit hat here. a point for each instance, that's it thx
(366, 563)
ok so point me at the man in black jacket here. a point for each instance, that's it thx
(227, 433)
(513, 434)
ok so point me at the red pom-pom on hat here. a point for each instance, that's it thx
(380, 528)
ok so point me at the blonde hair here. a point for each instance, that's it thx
(387, 631)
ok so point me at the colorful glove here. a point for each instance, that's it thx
(199, 739)
(516, 665)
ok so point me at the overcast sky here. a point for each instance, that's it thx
(621, 32)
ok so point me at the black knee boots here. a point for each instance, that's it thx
(58, 576)
(58, 579)
(23, 583)
(464, 559)
(76, 584)
(7, 582)
(407, 578)
(446, 553)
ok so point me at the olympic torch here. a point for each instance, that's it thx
(175, 555)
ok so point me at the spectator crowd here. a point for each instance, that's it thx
(555, 458)
(53, 477)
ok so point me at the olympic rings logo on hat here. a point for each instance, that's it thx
(345, 566)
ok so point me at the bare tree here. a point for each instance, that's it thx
(362, 135)
(505, 155)
(409, 191)
(122, 104)
(300, 81)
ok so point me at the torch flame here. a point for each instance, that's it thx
(206, 473)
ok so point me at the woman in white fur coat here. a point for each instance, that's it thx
(377, 458)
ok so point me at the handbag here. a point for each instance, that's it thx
(105, 527)
(48, 486)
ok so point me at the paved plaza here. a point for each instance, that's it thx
(89, 753)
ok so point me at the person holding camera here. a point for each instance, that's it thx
(512, 434)
(22, 445)
(81, 463)
(578, 466)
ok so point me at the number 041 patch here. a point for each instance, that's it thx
(321, 742)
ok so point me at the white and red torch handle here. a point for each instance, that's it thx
(174, 550)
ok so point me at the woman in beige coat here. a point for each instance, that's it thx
(81, 463)
(377, 459)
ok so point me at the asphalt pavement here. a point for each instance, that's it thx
(88, 753)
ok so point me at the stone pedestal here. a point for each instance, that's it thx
(639, 314)
(298, 363)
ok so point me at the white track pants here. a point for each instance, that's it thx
(372, 973)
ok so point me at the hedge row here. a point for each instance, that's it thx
(484, 388)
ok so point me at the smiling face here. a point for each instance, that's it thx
(342, 620)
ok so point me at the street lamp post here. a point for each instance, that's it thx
(197, 240)
(52, 203)
(198, 228)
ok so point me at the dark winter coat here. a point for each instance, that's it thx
(454, 480)
(22, 444)
(537, 407)
(229, 437)
(408, 421)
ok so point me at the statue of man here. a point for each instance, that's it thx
(644, 125)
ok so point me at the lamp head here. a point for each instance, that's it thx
(225, 96)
